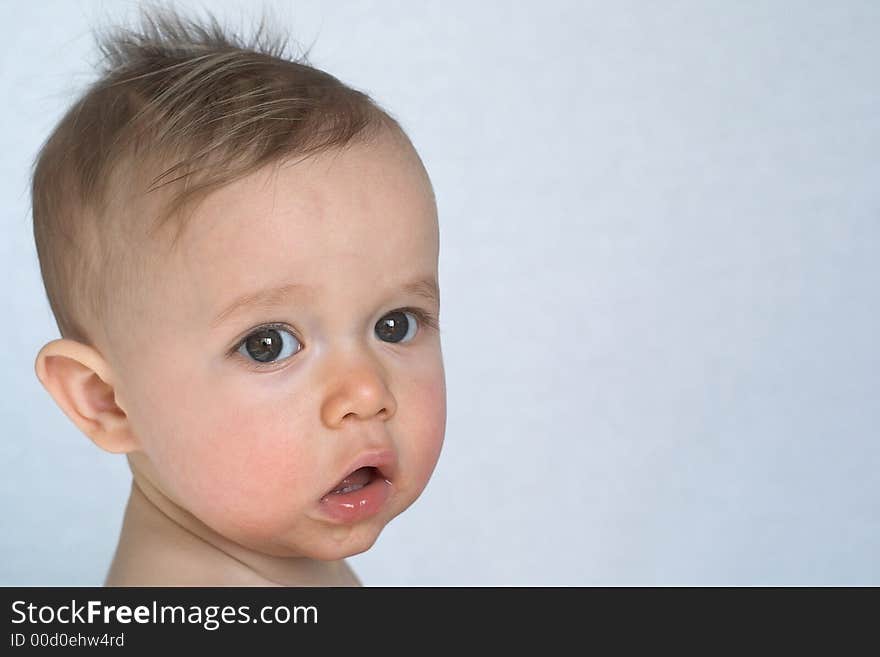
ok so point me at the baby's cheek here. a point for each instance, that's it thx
(430, 427)
(244, 475)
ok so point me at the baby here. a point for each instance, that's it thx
(241, 254)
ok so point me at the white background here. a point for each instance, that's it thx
(659, 269)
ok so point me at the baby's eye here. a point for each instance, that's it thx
(266, 344)
(395, 326)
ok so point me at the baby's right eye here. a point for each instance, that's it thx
(266, 344)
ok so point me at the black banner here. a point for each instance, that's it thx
(119, 619)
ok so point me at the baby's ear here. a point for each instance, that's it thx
(78, 378)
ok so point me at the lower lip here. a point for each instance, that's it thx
(358, 504)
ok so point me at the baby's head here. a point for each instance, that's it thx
(241, 254)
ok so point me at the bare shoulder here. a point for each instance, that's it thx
(171, 564)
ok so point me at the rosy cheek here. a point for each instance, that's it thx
(239, 469)
(431, 427)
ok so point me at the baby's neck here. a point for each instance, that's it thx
(162, 545)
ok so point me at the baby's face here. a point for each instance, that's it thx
(249, 416)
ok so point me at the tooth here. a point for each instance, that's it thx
(348, 489)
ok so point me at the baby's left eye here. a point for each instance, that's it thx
(395, 326)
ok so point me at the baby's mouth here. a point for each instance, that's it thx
(355, 481)
(364, 491)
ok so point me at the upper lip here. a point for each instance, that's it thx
(384, 460)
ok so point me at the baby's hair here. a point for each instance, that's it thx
(180, 106)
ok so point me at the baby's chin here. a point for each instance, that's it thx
(328, 543)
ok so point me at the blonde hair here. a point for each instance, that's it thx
(183, 107)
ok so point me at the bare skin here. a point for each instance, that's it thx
(233, 464)
(162, 545)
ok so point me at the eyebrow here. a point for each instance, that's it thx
(425, 287)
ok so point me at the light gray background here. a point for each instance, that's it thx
(659, 267)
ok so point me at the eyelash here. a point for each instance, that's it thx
(424, 317)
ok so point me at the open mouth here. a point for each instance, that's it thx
(364, 491)
(356, 480)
